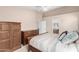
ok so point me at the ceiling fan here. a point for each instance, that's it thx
(46, 8)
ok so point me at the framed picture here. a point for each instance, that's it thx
(55, 26)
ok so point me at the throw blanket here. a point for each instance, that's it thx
(66, 44)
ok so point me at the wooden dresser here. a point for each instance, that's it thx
(10, 36)
(27, 35)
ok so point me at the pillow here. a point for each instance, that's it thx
(70, 37)
(62, 35)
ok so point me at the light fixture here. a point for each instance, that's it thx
(44, 8)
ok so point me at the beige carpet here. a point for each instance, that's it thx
(22, 49)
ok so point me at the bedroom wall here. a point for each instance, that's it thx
(29, 18)
(69, 22)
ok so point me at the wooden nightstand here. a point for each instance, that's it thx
(29, 38)
(27, 35)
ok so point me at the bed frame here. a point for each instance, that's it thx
(33, 49)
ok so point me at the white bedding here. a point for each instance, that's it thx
(44, 42)
(47, 43)
(66, 48)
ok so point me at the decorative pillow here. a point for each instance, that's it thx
(62, 35)
(70, 37)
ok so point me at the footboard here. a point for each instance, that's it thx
(33, 49)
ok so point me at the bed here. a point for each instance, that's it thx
(47, 43)
(41, 42)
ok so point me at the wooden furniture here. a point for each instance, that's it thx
(10, 36)
(56, 31)
(33, 49)
(27, 35)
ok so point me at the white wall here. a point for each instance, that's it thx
(68, 22)
(29, 18)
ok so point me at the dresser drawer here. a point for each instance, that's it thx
(4, 26)
(4, 35)
(15, 26)
(5, 45)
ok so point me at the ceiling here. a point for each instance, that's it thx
(40, 8)
(44, 8)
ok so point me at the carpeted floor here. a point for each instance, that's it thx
(22, 49)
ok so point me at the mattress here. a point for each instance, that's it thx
(45, 42)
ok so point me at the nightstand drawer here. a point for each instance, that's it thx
(4, 35)
(30, 33)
